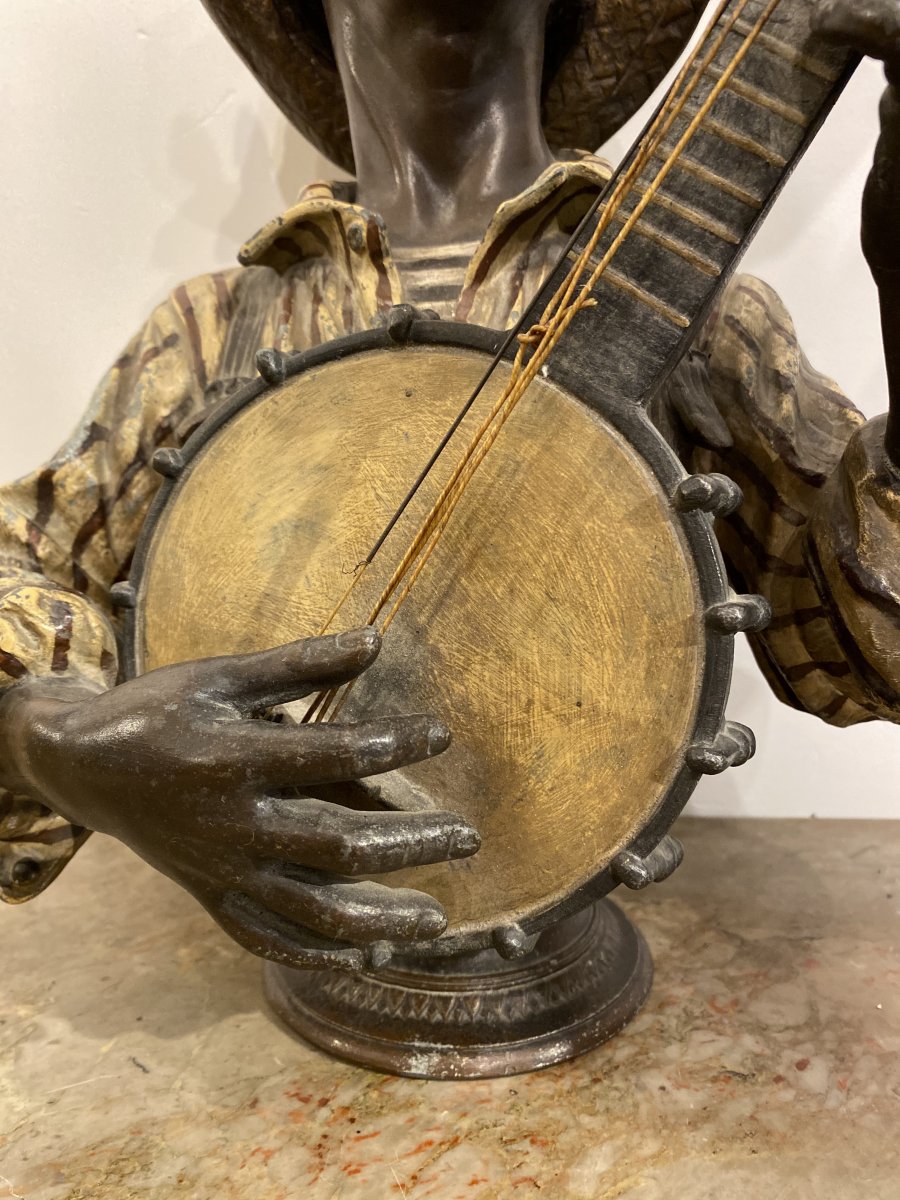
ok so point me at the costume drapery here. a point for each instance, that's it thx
(818, 532)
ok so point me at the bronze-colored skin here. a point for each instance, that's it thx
(178, 764)
(445, 115)
(874, 28)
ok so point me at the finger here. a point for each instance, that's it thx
(870, 26)
(325, 836)
(352, 912)
(282, 756)
(269, 677)
(272, 936)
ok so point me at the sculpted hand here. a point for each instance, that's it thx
(175, 765)
(873, 28)
(870, 26)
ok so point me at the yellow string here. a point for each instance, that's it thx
(672, 109)
(666, 117)
(558, 316)
(549, 336)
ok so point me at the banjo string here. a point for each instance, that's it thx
(544, 337)
(559, 303)
(669, 113)
(650, 143)
(648, 146)
(556, 316)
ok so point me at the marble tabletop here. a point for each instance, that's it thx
(137, 1063)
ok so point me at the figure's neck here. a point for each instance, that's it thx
(444, 113)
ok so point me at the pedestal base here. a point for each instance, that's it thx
(476, 1016)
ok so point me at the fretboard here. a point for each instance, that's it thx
(669, 270)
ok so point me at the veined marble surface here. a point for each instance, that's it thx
(136, 1061)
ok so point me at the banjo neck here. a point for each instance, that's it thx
(678, 257)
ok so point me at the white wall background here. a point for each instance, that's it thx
(135, 151)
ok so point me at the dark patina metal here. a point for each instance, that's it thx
(475, 1015)
(611, 971)
(727, 613)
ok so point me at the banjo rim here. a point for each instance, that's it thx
(631, 422)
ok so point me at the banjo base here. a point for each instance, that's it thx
(476, 1016)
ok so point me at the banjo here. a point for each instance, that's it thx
(501, 505)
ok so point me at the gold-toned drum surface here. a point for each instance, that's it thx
(558, 627)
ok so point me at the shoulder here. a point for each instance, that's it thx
(198, 318)
(778, 407)
(212, 300)
(751, 314)
(752, 343)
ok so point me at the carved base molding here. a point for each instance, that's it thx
(476, 1016)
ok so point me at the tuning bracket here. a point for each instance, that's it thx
(168, 462)
(272, 366)
(714, 494)
(512, 942)
(733, 746)
(638, 873)
(122, 595)
(740, 614)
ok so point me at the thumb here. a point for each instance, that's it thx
(289, 672)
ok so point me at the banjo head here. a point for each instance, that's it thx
(561, 627)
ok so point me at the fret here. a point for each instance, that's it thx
(674, 245)
(621, 281)
(742, 140)
(663, 280)
(760, 125)
(762, 99)
(790, 54)
(701, 220)
(686, 163)
(624, 284)
(629, 275)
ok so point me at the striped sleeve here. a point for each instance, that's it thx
(818, 533)
(68, 530)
